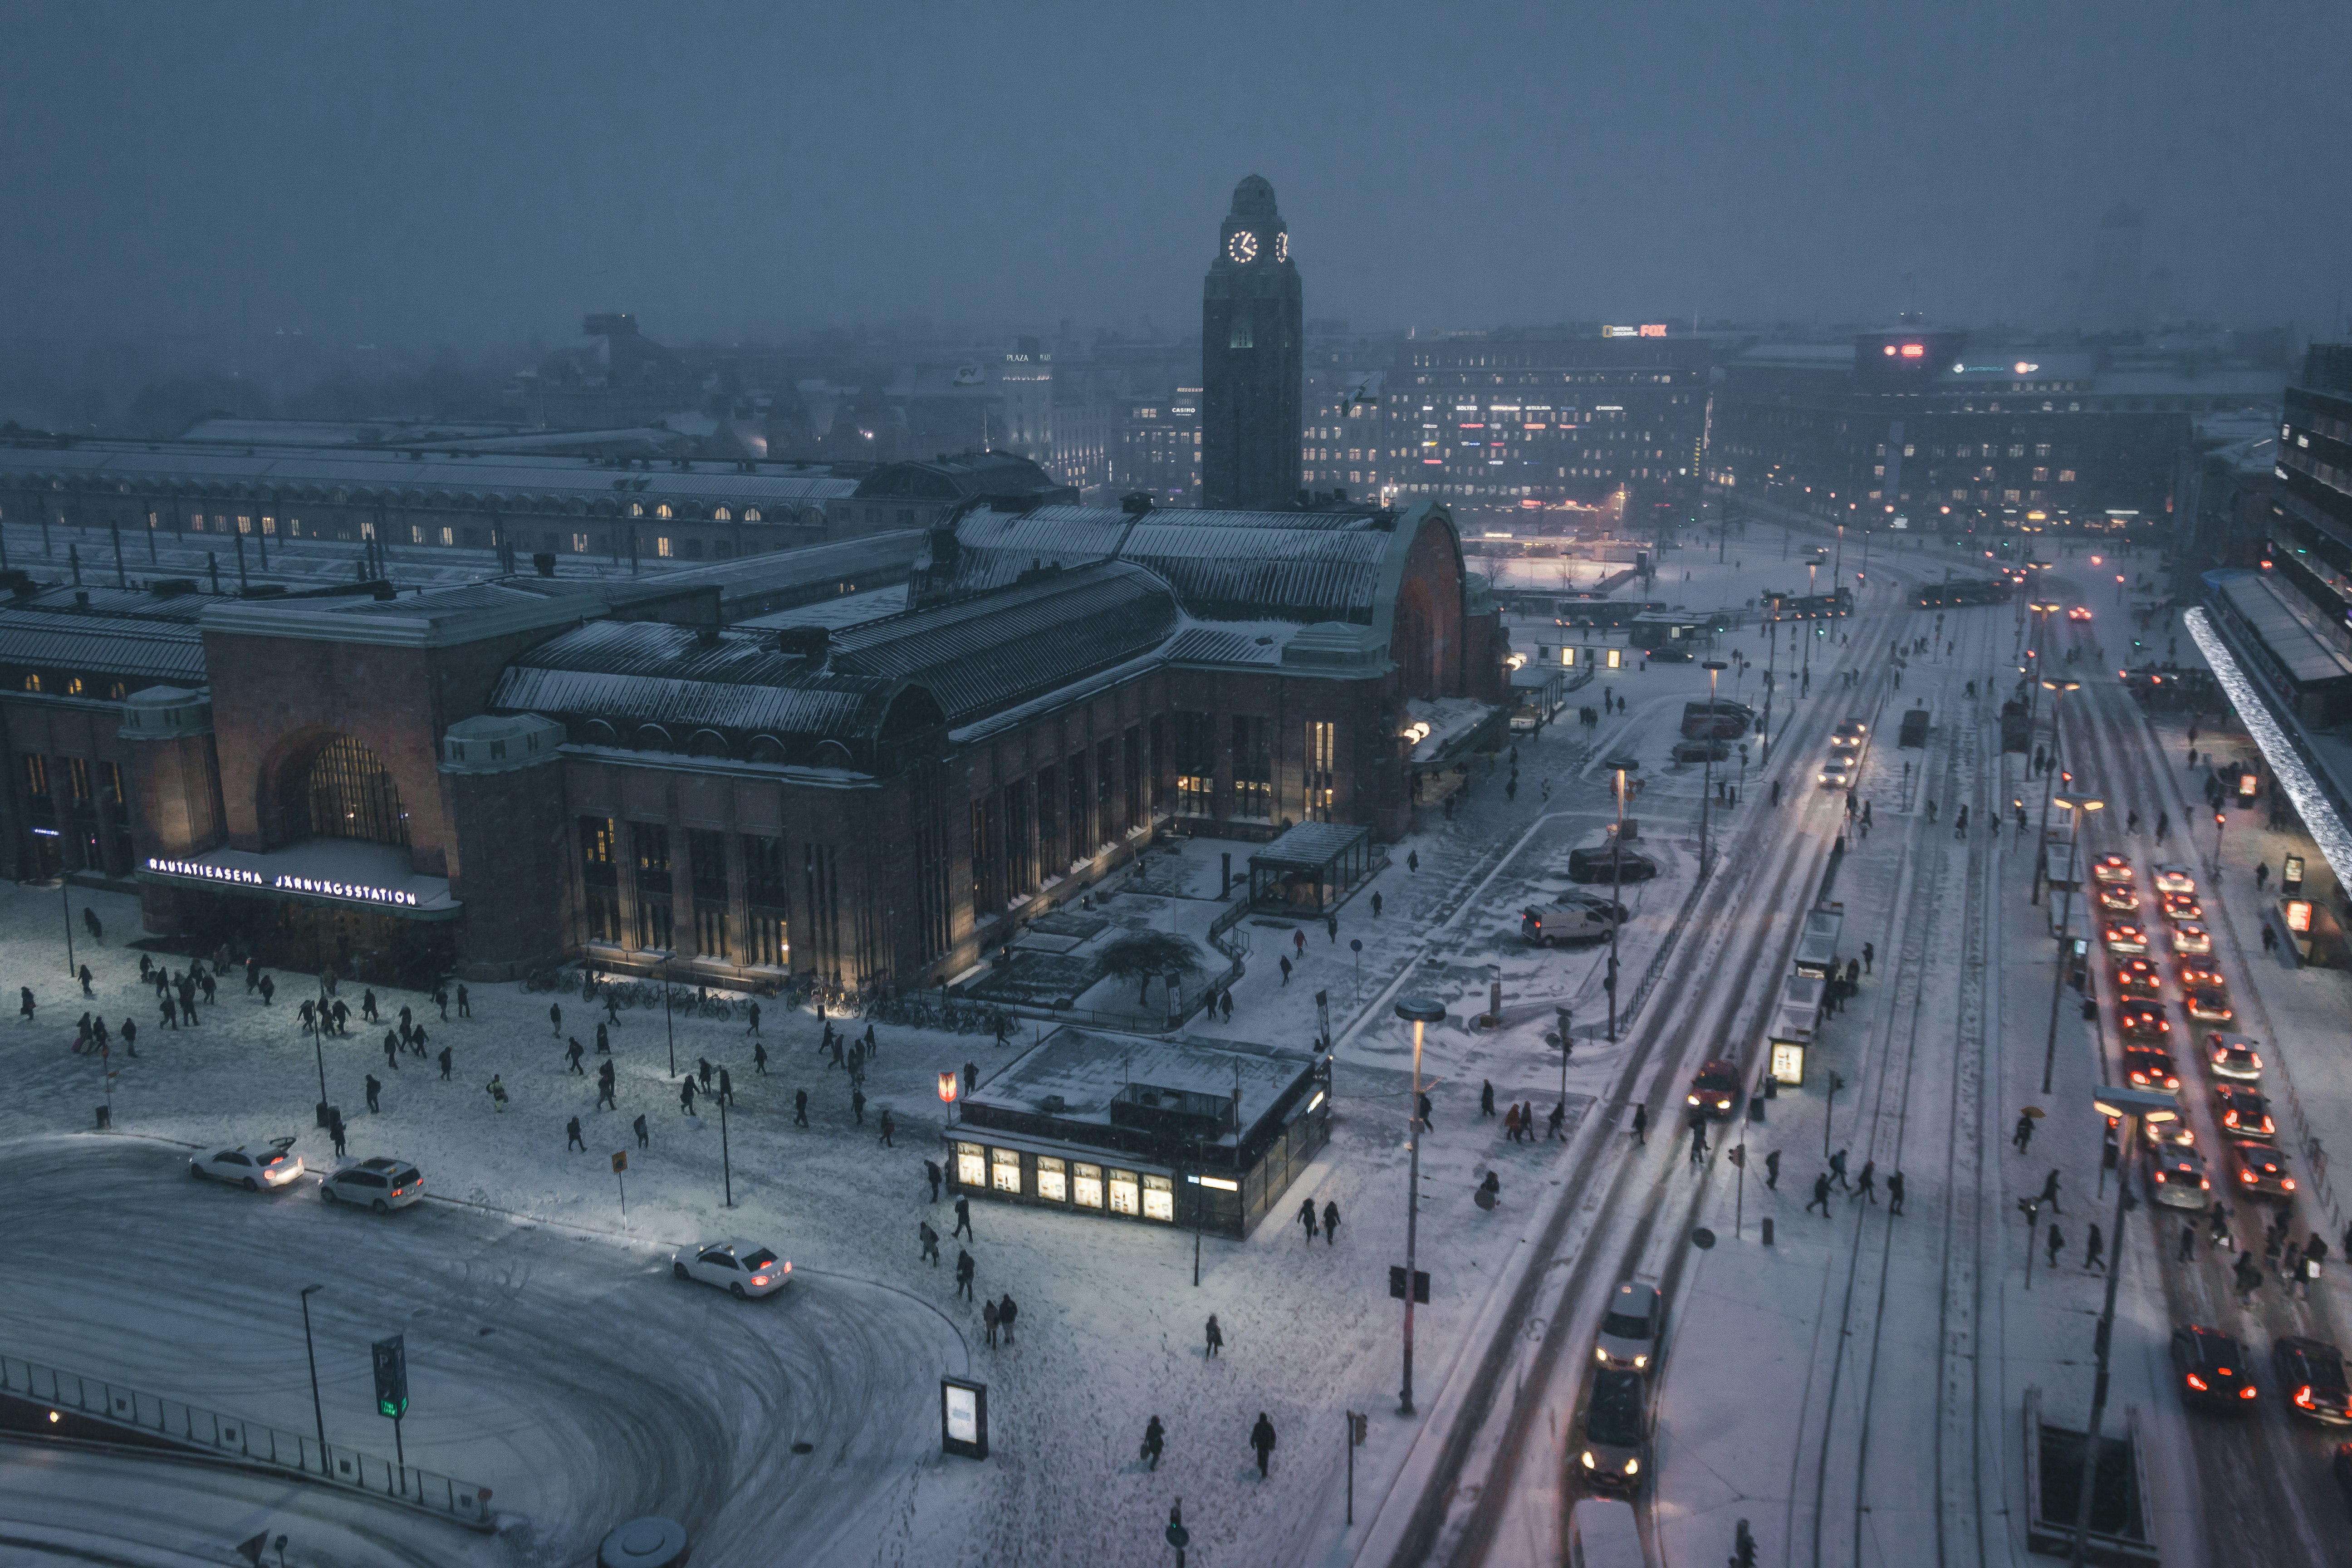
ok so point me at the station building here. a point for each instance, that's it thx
(667, 775)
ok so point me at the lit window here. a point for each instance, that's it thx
(750, 514)
(448, 536)
(971, 1170)
(1053, 1182)
(32, 683)
(1124, 1194)
(722, 515)
(1005, 1170)
(579, 544)
(1159, 1199)
(636, 508)
(1086, 1185)
(2065, 476)
(662, 510)
(662, 545)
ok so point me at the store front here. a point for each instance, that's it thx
(352, 907)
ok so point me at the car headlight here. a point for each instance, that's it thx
(1693, 1100)
(1632, 1467)
(1599, 1353)
(1588, 1460)
(1641, 1361)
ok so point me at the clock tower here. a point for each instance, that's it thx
(1251, 359)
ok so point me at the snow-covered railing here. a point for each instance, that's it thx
(191, 1428)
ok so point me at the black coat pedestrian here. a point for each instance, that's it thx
(373, 1089)
(702, 1071)
(1155, 1437)
(1330, 1224)
(1261, 1443)
(1006, 1311)
(1485, 1097)
(931, 1169)
(644, 1140)
(726, 1086)
(444, 1061)
(686, 1094)
(268, 989)
(1216, 1335)
(800, 1108)
(1307, 1216)
(889, 1130)
(965, 1269)
(858, 1105)
(1773, 1171)
(930, 1240)
(1641, 1125)
(963, 1220)
(571, 1133)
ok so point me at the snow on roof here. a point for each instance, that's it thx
(1088, 1070)
(101, 645)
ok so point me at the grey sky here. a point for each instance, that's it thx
(471, 172)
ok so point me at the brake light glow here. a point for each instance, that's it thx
(2197, 1383)
(759, 1280)
(2287, 1182)
(2247, 1392)
(2302, 1396)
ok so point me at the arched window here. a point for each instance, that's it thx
(653, 738)
(707, 744)
(662, 510)
(348, 794)
(767, 748)
(600, 733)
(721, 515)
(750, 514)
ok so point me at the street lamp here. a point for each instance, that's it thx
(1619, 765)
(2128, 1105)
(1422, 1011)
(2082, 802)
(1714, 669)
(1813, 592)
(318, 1412)
(2034, 655)
(2050, 787)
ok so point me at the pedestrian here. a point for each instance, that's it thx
(1699, 1141)
(858, 1105)
(84, 975)
(336, 1130)
(703, 1070)
(1772, 1172)
(760, 1057)
(932, 1170)
(1837, 1170)
(2187, 1249)
(1331, 924)
(497, 1090)
(554, 1017)
(964, 1270)
(1869, 956)
(444, 1064)
(2057, 1244)
(644, 1133)
(889, 1130)
(603, 1041)
(441, 1000)
(1307, 1218)
(2221, 1236)
(930, 1240)
(1551, 1123)
(1641, 1125)
(2270, 938)
(1513, 1123)
(1007, 1310)
(963, 1220)
(374, 1089)
(1298, 942)
(1486, 1097)
(129, 1037)
(603, 1086)
(1425, 1123)
(2163, 824)
(726, 1086)
(573, 1053)
(1284, 962)
(2050, 1190)
(1866, 1186)
(1331, 1223)
(2262, 876)
(1261, 1443)
(1412, 861)
(391, 1053)
(24, 1002)
(1852, 975)
(1821, 1195)
(2094, 1249)
(686, 1095)
(574, 1140)
(1217, 1336)
(1155, 1437)
(1489, 1191)
(987, 1317)
(1376, 902)
(2024, 1134)
(416, 1040)
(268, 989)
(800, 1108)
(465, 1002)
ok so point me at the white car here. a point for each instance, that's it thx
(741, 1268)
(1629, 1330)
(2175, 879)
(271, 1165)
(381, 1184)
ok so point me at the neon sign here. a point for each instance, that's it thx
(358, 893)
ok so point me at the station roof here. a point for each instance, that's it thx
(102, 644)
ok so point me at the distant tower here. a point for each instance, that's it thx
(1251, 359)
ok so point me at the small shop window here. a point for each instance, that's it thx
(1159, 1199)
(1086, 1185)
(1052, 1183)
(1005, 1174)
(971, 1170)
(1123, 1193)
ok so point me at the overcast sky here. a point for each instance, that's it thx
(479, 173)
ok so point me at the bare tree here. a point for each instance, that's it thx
(1147, 955)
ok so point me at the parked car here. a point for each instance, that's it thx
(253, 1167)
(1547, 924)
(2212, 1368)
(381, 1184)
(740, 1268)
(1630, 1328)
(1701, 752)
(1592, 865)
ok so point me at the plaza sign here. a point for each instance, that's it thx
(355, 892)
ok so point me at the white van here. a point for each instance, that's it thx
(1601, 1534)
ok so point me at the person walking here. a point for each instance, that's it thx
(889, 1130)
(1821, 1195)
(1261, 1443)
(965, 1269)
(932, 1170)
(1412, 861)
(1895, 1195)
(644, 1133)
(2055, 1245)
(760, 1057)
(572, 1138)
(2023, 1134)
(572, 1054)
(554, 1017)
(1155, 1437)
(1007, 1310)
(391, 1053)
(604, 1086)
(1551, 1123)
(1376, 905)
(858, 1105)
(375, 1088)
(987, 1317)
(686, 1094)
(603, 1041)
(1331, 1223)
(1699, 1141)
(1217, 1336)
(2094, 1251)
(444, 1064)
(1331, 925)
(1427, 1126)
(963, 1220)
(1869, 956)
(1837, 1172)
(1306, 1220)
(1866, 1186)
(726, 1086)
(754, 1028)
(24, 1002)
(465, 1002)
(1641, 1125)
(2050, 1190)
(129, 1037)
(702, 1071)
(1511, 1124)
(800, 1108)
(497, 1090)
(1772, 1172)
(337, 1131)
(930, 1240)
(1298, 942)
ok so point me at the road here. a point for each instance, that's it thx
(568, 1371)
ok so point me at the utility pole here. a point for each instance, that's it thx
(1714, 669)
(1619, 767)
(317, 1411)
(1422, 1011)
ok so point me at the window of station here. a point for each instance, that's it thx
(1005, 1170)
(1086, 1185)
(706, 857)
(1053, 1180)
(1159, 1199)
(650, 843)
(1196, 764)
(347, 792)
(600, 877)
(972, 1168)
(1321, 746)
(767, 932)
(1124, 1194)
(1252, 770)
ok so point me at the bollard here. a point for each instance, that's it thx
(1768, 1230)
(105, 1118)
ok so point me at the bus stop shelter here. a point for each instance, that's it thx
(1310, 869)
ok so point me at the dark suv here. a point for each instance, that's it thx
(2212, 1368)
(2311, 1372)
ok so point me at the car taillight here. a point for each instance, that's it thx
(2247, 1392)
(2197, 1383)
(759, 1280)
(2247, 1177)
(2302, 1396)
(2288, 1182)
(2203, 1186)
(2159, 1176)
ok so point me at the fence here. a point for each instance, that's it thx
(192, 1428)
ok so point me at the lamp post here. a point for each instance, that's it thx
(669, 1025)
(2082, 802)
(2057, 708)
(2129, 1105)
(1422, 1011)
(317, 1411)
(1714, 669)
(1813, 592)
(1619, 767)
(1771, 662)
(2033, 657)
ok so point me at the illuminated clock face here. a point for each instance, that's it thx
(1243, 247)
(1282, 247)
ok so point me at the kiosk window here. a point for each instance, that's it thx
(1159, 1199)
(1052, 1183)
(1086, 1185)
(1005, 1176)
(1122, 1193)
(972, 1171)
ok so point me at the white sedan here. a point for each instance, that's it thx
(272, 1166)
(741, 1267)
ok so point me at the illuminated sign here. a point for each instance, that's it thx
(1914, 351)
(2298, 916)
(1788, 1062)
(2026, 368)
(1646, 330)
(355, 892)
(1224, 1184)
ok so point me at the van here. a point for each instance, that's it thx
(1602, 1533)
(1547, 925)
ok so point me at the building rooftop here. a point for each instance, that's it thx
(1086, 1072)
